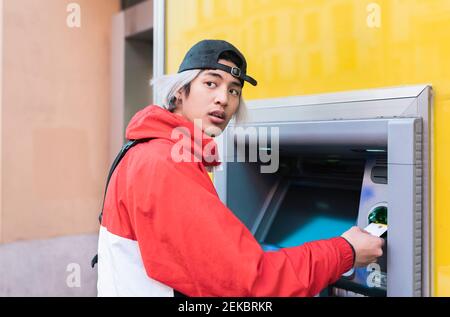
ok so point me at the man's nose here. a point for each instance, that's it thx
(221, 97)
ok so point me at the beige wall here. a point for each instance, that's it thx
(54, 111)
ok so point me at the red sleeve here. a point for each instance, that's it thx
(190, 241)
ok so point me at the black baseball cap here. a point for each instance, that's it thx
(205, 55)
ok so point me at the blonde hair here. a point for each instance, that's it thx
(169, 85)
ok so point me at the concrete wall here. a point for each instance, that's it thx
(54, 137)
(51, 267)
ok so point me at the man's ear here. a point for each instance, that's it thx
(179, 94)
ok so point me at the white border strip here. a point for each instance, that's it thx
(159, 11)
(1, 119)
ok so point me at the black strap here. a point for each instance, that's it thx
(94, 260)
(236, 72)
(116, 162)
(178, 294)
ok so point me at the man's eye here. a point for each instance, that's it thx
(210, 84)
(235, 92)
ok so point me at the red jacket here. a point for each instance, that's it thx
(164, 228)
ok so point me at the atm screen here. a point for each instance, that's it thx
(312, 213)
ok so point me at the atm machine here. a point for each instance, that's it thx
(307, 168)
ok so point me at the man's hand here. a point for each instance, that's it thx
(367, 247)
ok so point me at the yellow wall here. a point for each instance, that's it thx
(298, 47)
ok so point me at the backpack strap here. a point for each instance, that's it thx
(116, 162)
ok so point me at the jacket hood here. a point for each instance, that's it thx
(156, 122)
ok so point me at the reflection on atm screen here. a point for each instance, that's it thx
(305, 216)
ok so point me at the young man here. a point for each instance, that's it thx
(164, 229)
